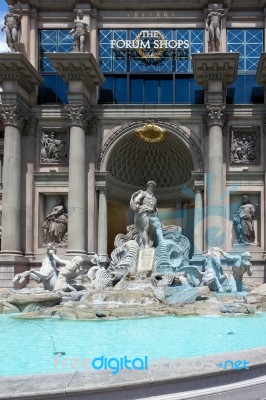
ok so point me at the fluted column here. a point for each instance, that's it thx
(214, 182)
(102, 221)
(14, 118)
(76, 187)
(198, 222)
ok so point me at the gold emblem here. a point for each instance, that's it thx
(151, 133)
(150, 52)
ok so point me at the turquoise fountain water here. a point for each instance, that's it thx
(29, 346)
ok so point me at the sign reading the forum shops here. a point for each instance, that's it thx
(151, 45)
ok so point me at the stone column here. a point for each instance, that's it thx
(198, 222)
(215, 71)
(82, 73)
(178, 211)
(76, 190)
(102, 222)
(185, 217)
(14, 118)
(214, 182)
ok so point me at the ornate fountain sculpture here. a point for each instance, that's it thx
(149, 252)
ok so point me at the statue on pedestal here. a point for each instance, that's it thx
(213, 26)
(80, 29)
(12, 27)
(144, 205)
(243, 221)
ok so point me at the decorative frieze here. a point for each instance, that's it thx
(245, 145)
(215, 115)
(13, 115)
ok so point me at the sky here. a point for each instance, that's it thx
(3, 10)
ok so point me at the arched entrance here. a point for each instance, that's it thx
(151, 150)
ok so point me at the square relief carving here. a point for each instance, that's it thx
(245, 145)
(54, 146)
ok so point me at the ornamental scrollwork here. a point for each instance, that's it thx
(13, 115)
(215, 115)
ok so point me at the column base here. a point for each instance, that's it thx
(76, 253)
(10, 253)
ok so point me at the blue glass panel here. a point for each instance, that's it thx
(107, 91)
(64, 37)
(45, 65)
(236, 91)
(196, 92)
(48, 36)
(47, 91)
(182, 90)
(182, 65)
(61, 90)
(254, 92)
(151, 91)
(166, 90)
(235, 36)
(120, 89)
(136, 90)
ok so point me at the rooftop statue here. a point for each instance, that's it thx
(213, 26)
(80, 29)
(12, 27)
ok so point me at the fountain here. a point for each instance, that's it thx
(149, 274)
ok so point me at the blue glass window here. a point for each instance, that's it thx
(249, 44)
(151, 89)
(245, 89)
(53, 89)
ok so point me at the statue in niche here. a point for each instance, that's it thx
(12, 27)
(244, 149)
(55, 224)
(213, 26)
(53, 150)
(80, 29)
(243, 221)
(143, 203)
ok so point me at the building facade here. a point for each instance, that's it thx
(172, 94)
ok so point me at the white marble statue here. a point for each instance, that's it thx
(80, 29)
(12, 27)
(47, 275)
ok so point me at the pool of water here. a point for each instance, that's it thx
(29, 346)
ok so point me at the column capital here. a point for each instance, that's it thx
(79, 115)
(215, 115)
(13, 115)
(102, 189)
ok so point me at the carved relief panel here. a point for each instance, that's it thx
(245, 145)
(54, 146)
